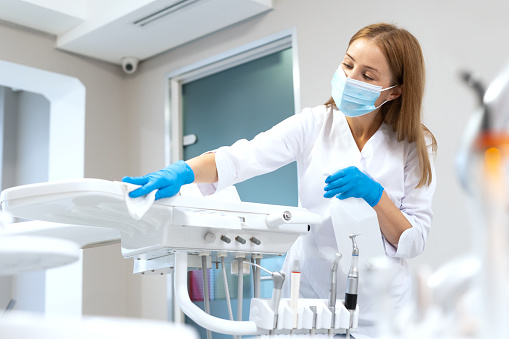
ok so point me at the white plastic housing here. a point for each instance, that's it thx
(192, 224)
(262, 314)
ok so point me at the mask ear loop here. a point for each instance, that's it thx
(385, 89)
(376, 107)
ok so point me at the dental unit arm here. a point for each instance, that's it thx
(185, 233)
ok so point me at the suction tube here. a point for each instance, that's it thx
(203, 319)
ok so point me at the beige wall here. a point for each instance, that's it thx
(105, 122)
(109, 288)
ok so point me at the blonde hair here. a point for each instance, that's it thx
(403, 114)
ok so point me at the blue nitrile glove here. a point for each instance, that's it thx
(168, 181)
(350, 182)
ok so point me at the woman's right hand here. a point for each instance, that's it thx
(167, 181)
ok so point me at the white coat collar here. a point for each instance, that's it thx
(370, 146)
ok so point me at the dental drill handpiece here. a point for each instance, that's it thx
(332, 288)
(353, 277)
(278, 279)
(352, 282)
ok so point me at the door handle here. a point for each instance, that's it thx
(189, 140)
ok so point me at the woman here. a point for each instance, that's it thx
(370, 130)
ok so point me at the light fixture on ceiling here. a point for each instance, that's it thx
(164, 12)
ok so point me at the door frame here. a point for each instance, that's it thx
(237, 56)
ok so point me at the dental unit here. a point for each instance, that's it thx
(184, 233)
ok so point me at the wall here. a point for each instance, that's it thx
(105, 152)
(9, 105)
(26, 138)
(104, 264)
(455, 35)
(111, 289)
(34, 122)
(105, 138)
(25, 146)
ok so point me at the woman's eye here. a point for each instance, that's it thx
(347, 66)
(367, 77)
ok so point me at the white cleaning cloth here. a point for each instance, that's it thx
(137, 207)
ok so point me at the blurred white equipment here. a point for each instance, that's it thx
(19, 254)
(82, 236)
(17, 325)
(25, 252)
(483, 164)
(182, 232)
(39, 245)
(469, 296)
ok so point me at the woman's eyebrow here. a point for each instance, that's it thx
(369, 67)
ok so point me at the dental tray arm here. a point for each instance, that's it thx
(171, 232)
(198, 315)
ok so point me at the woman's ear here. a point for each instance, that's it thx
(396, 93)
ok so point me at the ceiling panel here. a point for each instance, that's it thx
(116, 29)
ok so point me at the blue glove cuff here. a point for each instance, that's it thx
(376, 196)
(187, 171)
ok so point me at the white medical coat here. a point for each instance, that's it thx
(316, 139)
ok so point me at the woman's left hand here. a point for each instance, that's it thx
(350, 182)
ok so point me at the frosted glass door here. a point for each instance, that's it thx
(239, 103)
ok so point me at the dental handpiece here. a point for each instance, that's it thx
(352, 284)
(333, 287)
(295, 287)
(353, 277)
(278, 279)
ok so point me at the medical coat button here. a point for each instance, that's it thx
(210, 237)
(255, 241)
(240, 239)
(226, 239)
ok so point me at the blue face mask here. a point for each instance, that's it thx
(353, 97)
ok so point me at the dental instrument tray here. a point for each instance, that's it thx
(190, 224)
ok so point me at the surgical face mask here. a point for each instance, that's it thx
(353, 97)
